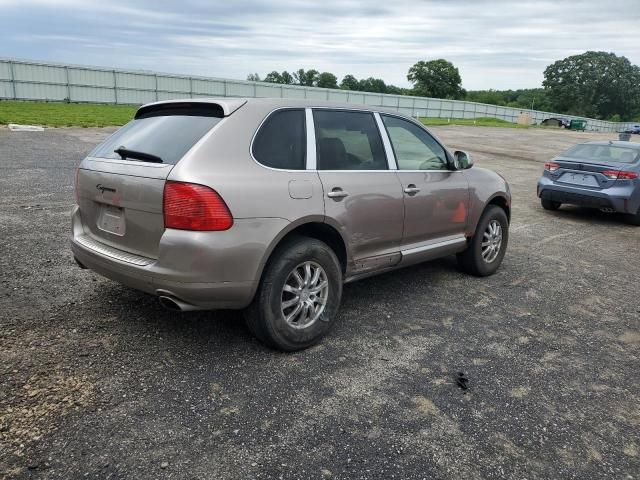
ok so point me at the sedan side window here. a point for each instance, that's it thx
(413, 147)
(348, 140)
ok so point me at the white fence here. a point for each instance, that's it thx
(29, 80)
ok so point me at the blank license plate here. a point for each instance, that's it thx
(579, 179)
(111, 219)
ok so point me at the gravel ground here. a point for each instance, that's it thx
(98, 381)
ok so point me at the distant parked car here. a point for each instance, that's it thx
(601, 175)
(555, 122)
(635, 129)
(273, 204)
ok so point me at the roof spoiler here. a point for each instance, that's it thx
(191, 107)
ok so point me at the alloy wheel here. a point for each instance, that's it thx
(491, 241)
(304, 295)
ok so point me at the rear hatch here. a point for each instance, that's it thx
(119, 186)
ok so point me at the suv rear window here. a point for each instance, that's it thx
(168, 137)
(281, 141)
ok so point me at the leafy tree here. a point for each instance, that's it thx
(436, 78)
(287, 78)
(349, 82)
(398, 90)
(327, 80)
(371, 84)
(529, 98)
(594, 84)
(307, 79)
(253, 77)
(273, 77)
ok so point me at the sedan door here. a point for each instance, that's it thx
(362, 197)
(436, 197)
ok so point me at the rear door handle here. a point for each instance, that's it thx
(337, 193)
(411, 189)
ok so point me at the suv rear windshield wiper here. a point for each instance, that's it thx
(145, 157)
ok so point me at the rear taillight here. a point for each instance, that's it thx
(551, 166)
(619, 175)
(188, 206)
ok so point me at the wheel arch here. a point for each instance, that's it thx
(502, 202)
(312, 227)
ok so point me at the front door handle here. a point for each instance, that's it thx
(411, 189)
(337, 193)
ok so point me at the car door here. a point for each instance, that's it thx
(363, 198)
(436, 197)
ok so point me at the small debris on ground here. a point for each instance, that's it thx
(462, 380)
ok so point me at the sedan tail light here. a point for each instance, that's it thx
(188, 206)
(619, 175)
(551, 166)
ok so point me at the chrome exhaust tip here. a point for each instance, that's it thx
(170, 304)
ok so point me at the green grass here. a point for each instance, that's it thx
(51, 114)
(478, 122)
(64, 114)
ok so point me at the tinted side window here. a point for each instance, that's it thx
(281, 141)
(414, 148)
(348, 141)
(168, 137)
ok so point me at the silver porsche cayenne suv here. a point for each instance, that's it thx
(271, 205)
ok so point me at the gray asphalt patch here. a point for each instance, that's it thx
(98, 381)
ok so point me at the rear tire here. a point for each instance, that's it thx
(293, 279)
(549, 204)
(488, 245)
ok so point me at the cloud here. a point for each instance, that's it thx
(495, 44)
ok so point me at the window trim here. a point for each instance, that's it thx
(255, 134)
(386, 141)
(355, 110)
(446, 151)
(310, 130)
(311, 154)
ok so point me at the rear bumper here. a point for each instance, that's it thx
(201, 296)
(620, 199)
(205, 272)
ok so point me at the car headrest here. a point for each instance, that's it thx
(627, 157)
(332, 154)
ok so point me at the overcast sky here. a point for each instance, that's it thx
(495, 44)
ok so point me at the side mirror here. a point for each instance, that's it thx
(462, 160)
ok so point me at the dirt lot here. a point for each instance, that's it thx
(98, 381)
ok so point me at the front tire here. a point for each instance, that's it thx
(299, 295)
(488, 245)
(548, 204)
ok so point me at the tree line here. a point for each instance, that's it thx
(593, 84)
